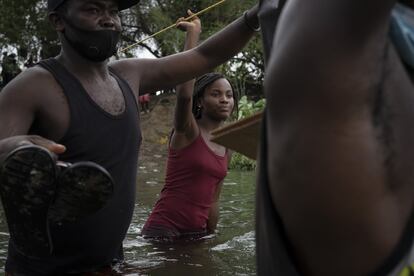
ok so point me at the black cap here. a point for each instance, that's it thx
(122, 4)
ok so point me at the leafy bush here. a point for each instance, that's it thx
(246, 109)
(241, 162)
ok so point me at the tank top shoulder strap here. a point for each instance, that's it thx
(71, 87)
(59, 72)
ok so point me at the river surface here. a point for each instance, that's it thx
(231, 251)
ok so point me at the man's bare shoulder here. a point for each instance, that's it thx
(32, 80)
(136, 70)
(33, 89)
(131, 65)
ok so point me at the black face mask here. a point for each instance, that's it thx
(93, 45)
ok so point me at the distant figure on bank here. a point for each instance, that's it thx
(144, 102)
(10, 68)
(3, 72)
(29, 62)
(188, 204)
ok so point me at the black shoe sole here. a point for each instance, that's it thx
(82, 189)
(27, 187)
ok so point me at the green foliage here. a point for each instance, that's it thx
(149, 16)
(23, 26)
(246, 109)
(241, 162)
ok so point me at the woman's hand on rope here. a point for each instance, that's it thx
(190, 24)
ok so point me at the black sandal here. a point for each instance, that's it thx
(27, 187)
(82, 189)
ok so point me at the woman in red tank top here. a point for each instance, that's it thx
(196, 167)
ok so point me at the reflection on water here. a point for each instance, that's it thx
(231, 251)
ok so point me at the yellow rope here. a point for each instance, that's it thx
(173, 25)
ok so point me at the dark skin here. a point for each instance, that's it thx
(34, 100)
(342, 144)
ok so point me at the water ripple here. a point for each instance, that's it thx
(244, 242)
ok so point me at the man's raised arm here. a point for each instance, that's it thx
(156, 74)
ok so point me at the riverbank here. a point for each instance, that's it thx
(156, 126)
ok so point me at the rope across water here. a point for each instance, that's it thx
(173, 25)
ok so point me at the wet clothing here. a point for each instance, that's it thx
(111, 141)
(193, 175)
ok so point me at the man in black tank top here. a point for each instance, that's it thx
(335, 193)
(79, 107)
